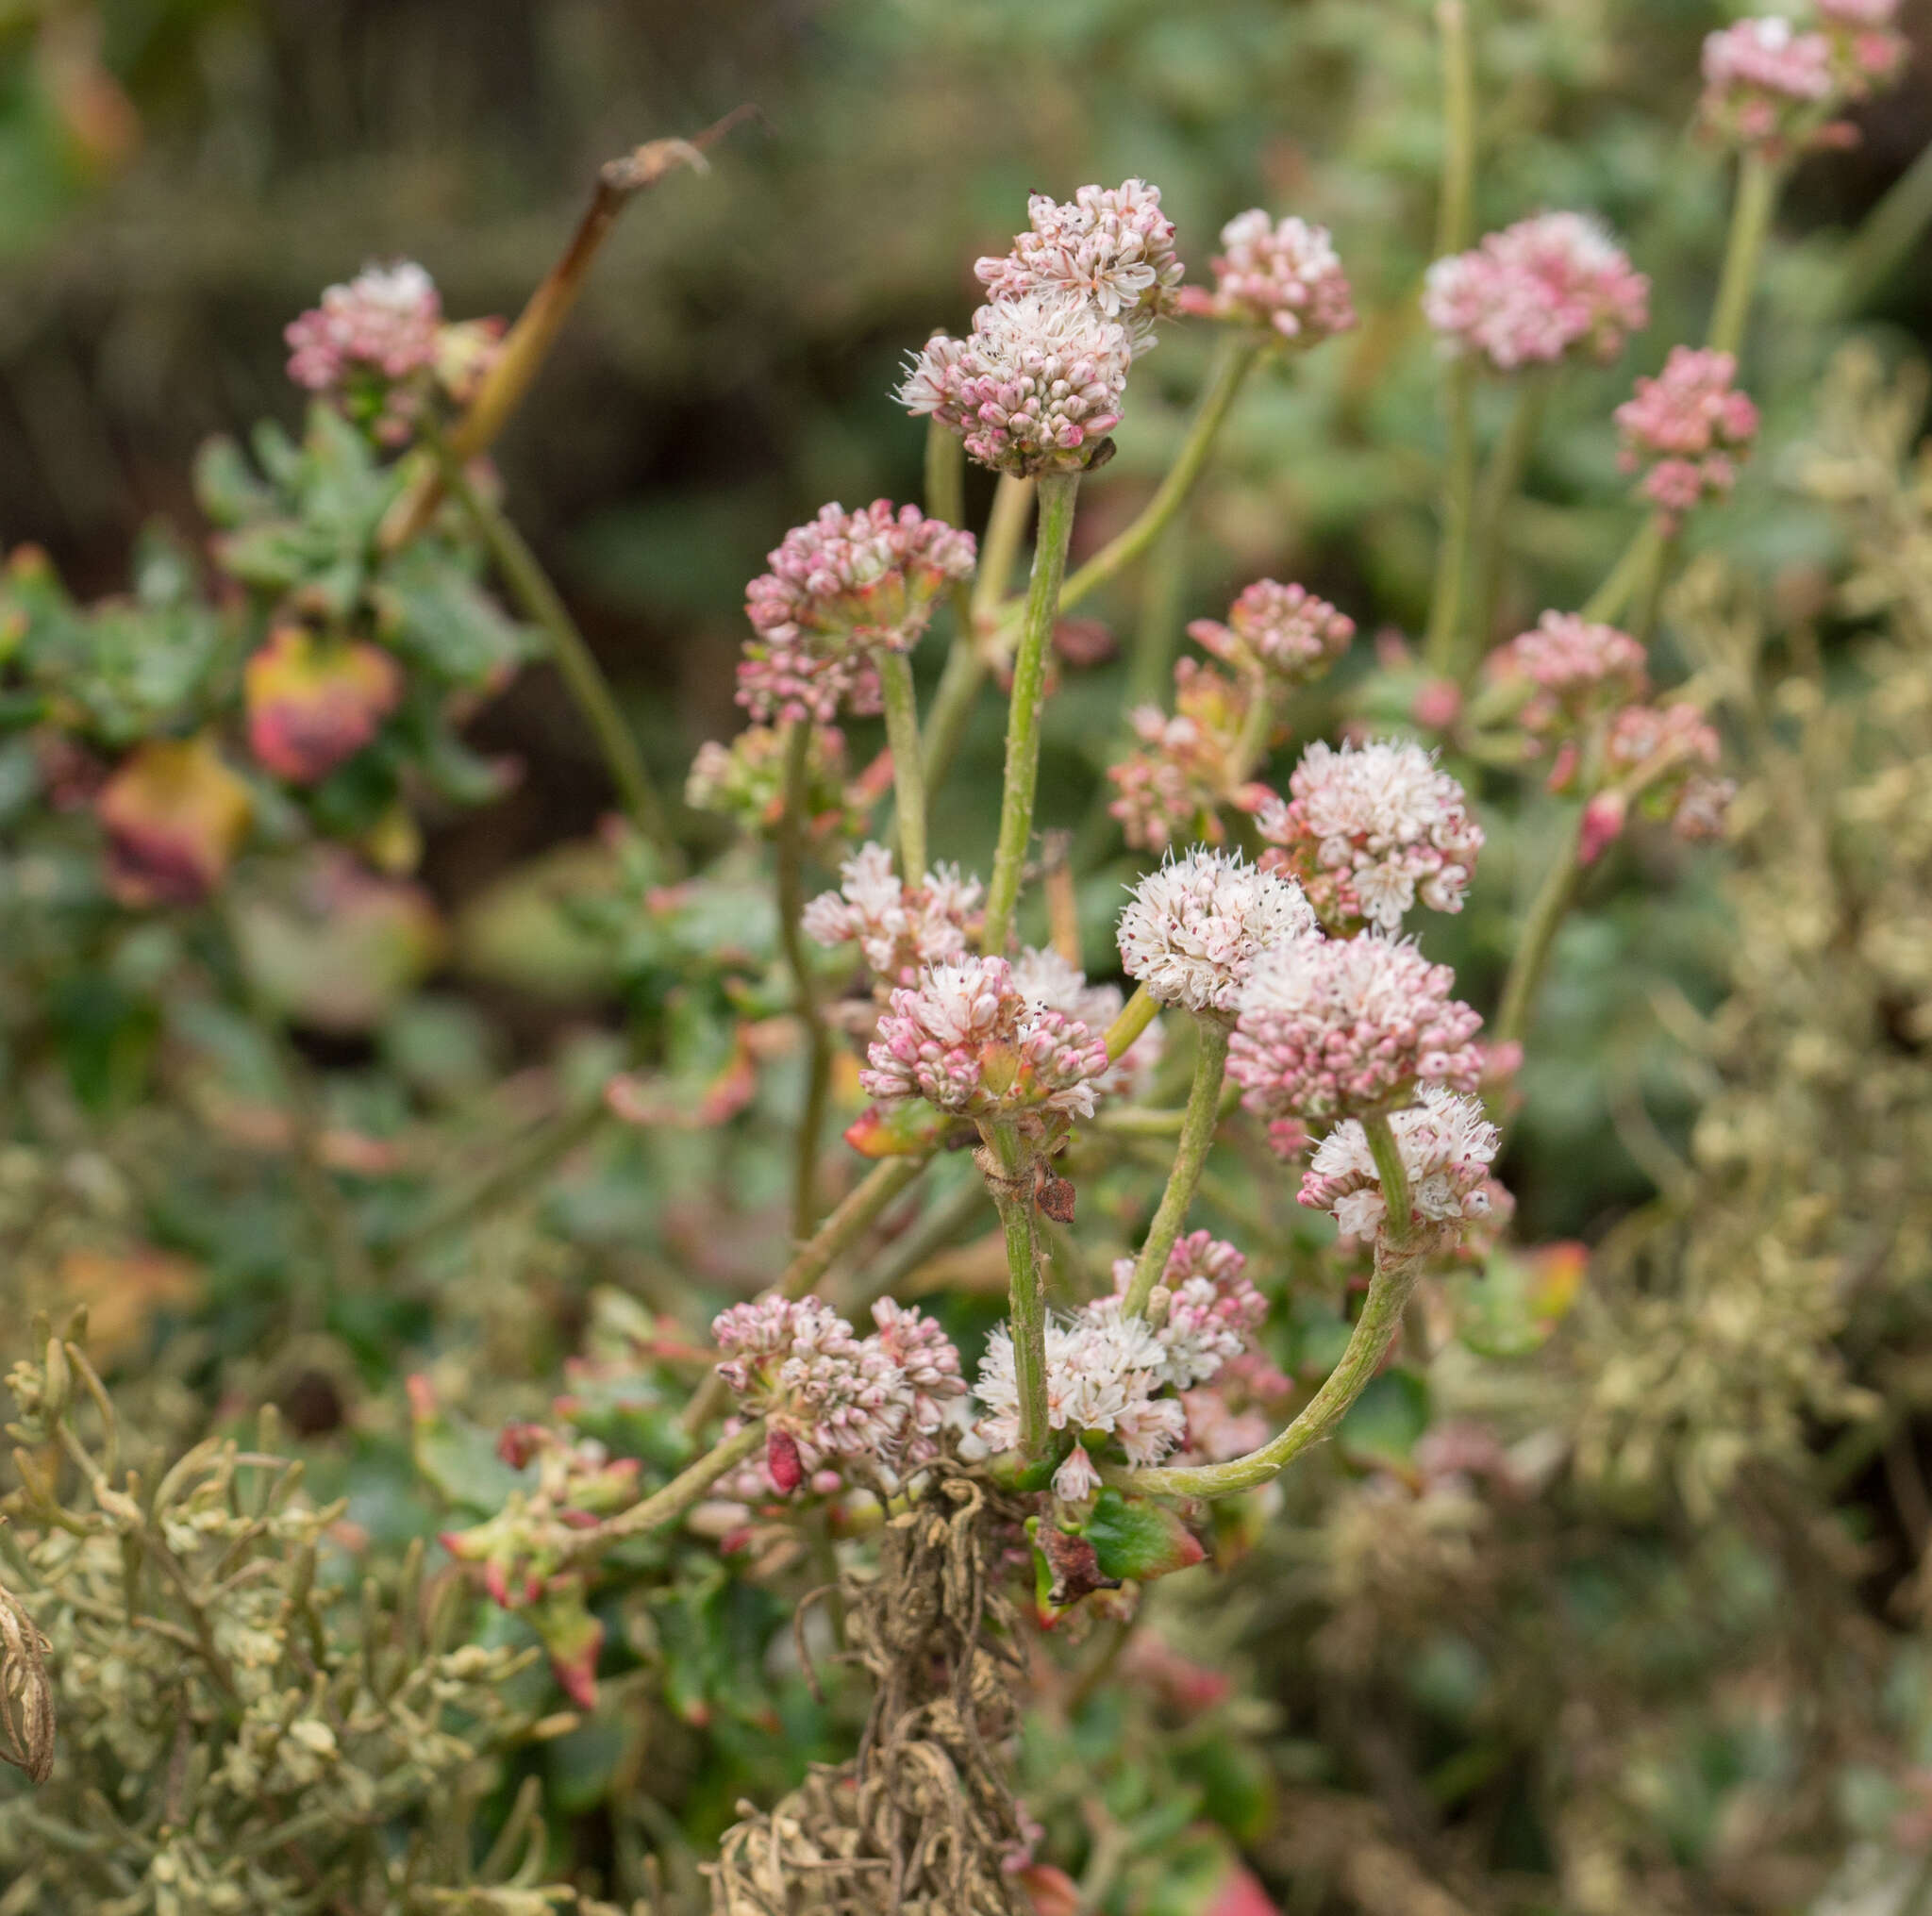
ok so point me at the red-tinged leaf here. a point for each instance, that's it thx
(905, 1130)
(1135, 1537)
(1238, 1894)
(1053, 1892)
(572, 1636)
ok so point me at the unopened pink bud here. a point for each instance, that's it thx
(1603, 825)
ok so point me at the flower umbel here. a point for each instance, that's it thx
(1174, 785)
(1282, 276)
(366, 340)
(1195, 926)
(1370, 830)
(1577, 666)
(899, 928)
(1283, 633)
(1692, 426)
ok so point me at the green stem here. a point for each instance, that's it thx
(1197, 1135)
(1233, 361)
(792, 937)
(1502, 479)
(856, 1214)
(1258, 727)
(1005, 528)
(1149, 1121)
(1452, 550)
(1058, 493)
(1162, 587)
(1393, 1174)
(1013, 1198)
(1135, 1016)
(1650, 592)
(1627, 577)
(1887, 235)
(1375, 1330)
(1532, 953)
(577, 665)
(666, 1505)
(909, 774)
(1454, 210)
(1759, 182)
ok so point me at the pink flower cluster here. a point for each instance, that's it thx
(1693, 425)
(1333, 1028)
(1447, 1145)
(1770, 85)
(1172, 784)
(1371, 828)
(1661, 756)
(1211, 1307)
(1284, 633)
(1537, 293)
(1578, 667)
(899, 928)
(1283, 276)
(1867, 49)
(1110, 246)
(1102, 1372)
(745, 781)
(967, 1041)
(1194, 928)
(372, 335)
(840, 589)
(1034, 386)
(1048, 982)
(826, 1393)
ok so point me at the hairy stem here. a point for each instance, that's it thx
(1197, 1133)
(1454, 210)
(908, 773)
(1452, 549)
(577, 665)
(1058, 493)
(1538, 932)
(1502, 479)
(1008, 1180)
(667, 1505)
(1400, 1225)
(818, 1075)
(1135, 1016)
(1759, 182)
(1005, 528)
(1233, 359)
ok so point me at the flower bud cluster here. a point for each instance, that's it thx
(966, 1038)
(1047, 981)
(1578, 667)
(1284, 276)
(1692, 426)
(1280, 633)
(745, 781)
(843, 589)
(1338, 1027)
(1553, 287)
(824, 1393)
(1212, 1308)
(1446, 1145)
(1195, 925)
(1773, 85)
(1171, 786)
(1370, 830)
(1660, 755)
(900, 929)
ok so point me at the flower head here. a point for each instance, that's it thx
(1285, 276)
(1174, 783)
(840, 589)
(926, 1356)
(1446, 1145)
(366, 340)
(1692, 426)
(1212, 1308)
(1047, 981)
(1102, 1372)
(1195, 925)
(1333, 1028)
(1109, 245)
(745, 781)
(967, 1041)
(1035, 385)
(1662, 755)
(1576, 665)
(1371, 828)
(1283, 633)
(899, 928)
(1542, 289)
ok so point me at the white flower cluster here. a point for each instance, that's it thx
(899, 928)
(1195, 925)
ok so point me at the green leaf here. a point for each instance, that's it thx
(457, 1458)
(1384, 1422)
(1136, 1536)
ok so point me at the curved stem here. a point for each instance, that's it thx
(1375, 1330)
(1627, 577)
(1453, 212)
(1452, 550)
(577, 665)
(908, 774)
(1233, 361)
(1026, 1291)
(1005, 528)
(1502, 479)
(791, 938)
(1759, 182)
(1197, 1133)
(1538, 932)
(667, 1505)
(1058, 493)
(1135, 1016)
